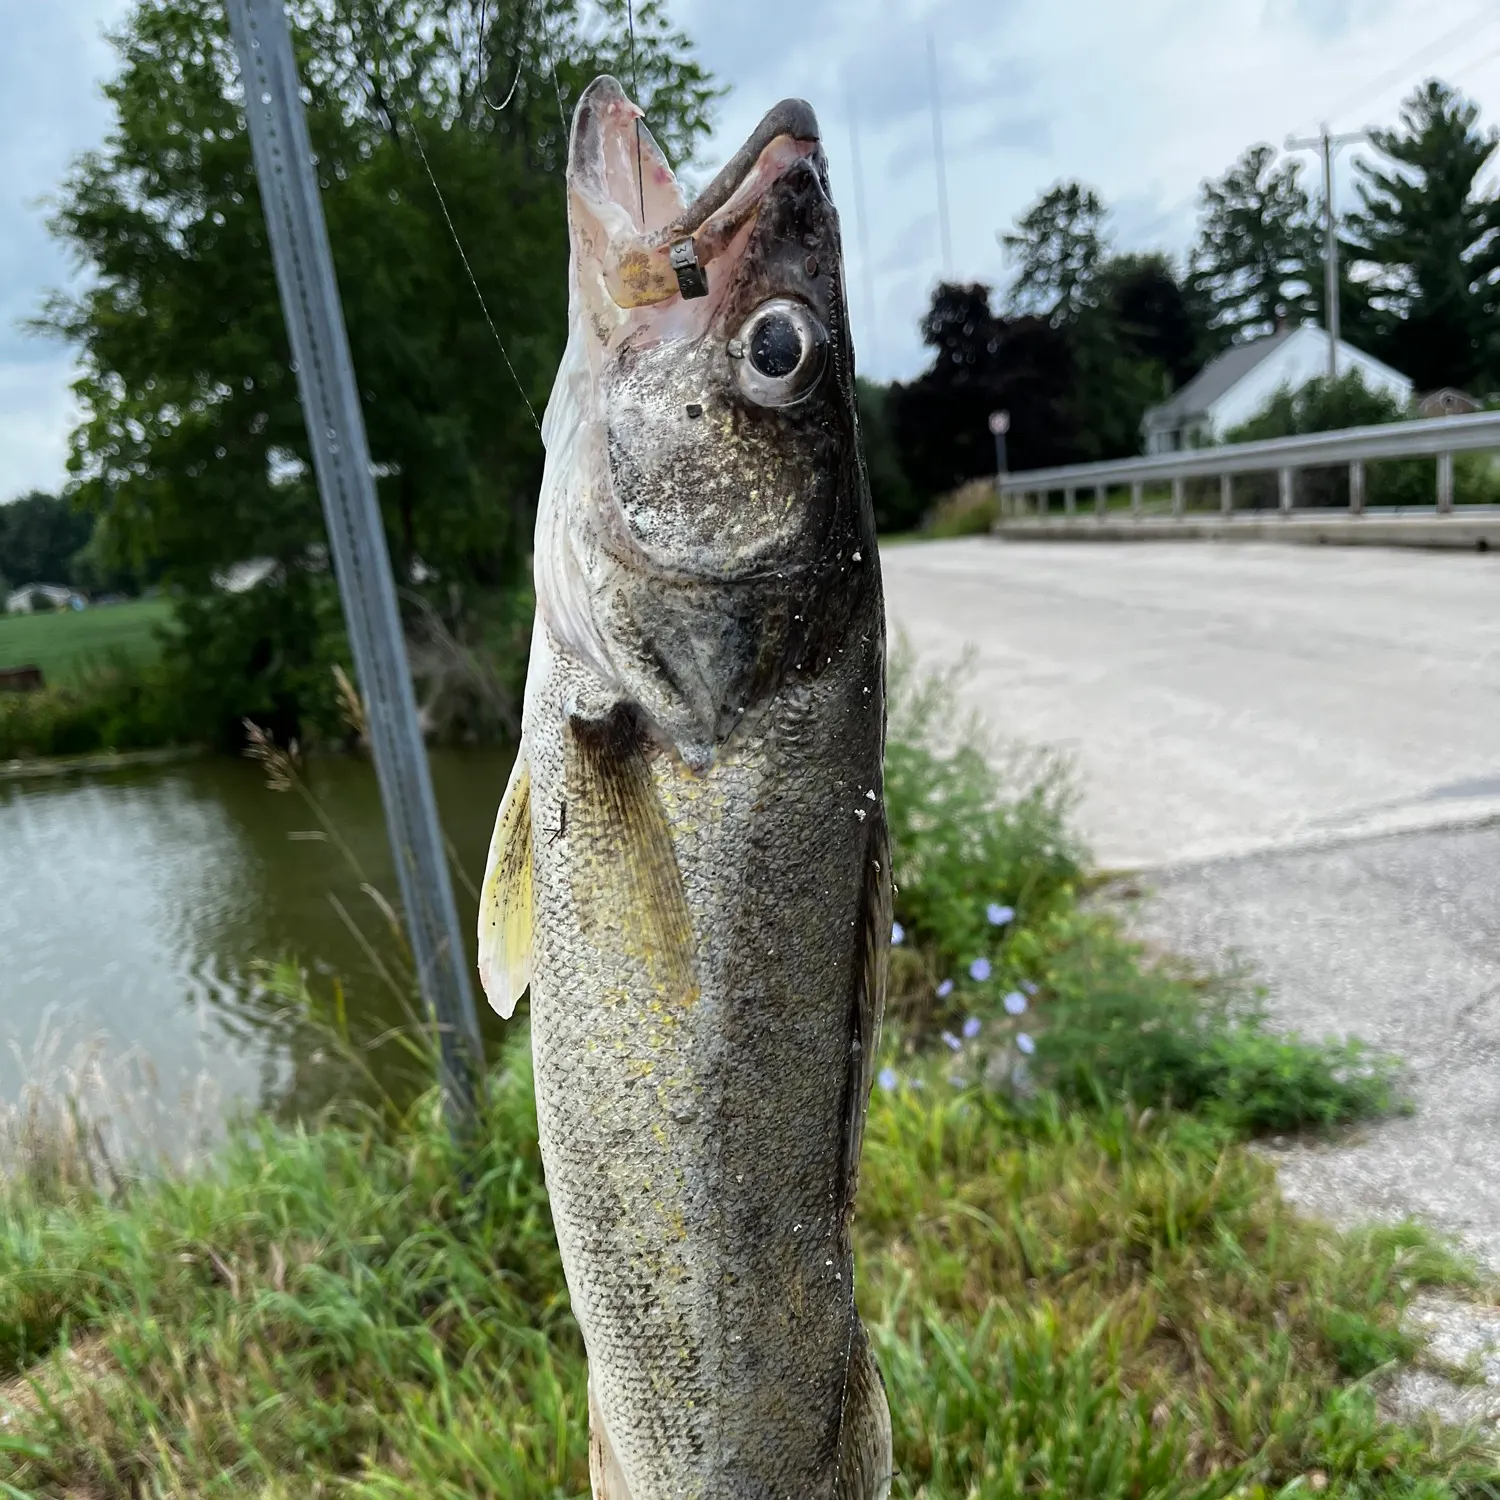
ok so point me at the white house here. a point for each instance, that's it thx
(33, 596)
(1237, 385)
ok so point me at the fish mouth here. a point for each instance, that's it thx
(628, 210)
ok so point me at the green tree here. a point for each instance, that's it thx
(1257, 257)
(898, 507)
(39, 536)
(1058, 245)
(193, 447)
(1162, 319)
(1429, 239)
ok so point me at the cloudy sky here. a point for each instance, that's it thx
(1141, 99)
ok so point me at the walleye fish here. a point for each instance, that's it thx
(690, 865)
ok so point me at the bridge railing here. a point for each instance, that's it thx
(1086, 489)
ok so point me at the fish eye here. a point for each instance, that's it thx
(779, 352)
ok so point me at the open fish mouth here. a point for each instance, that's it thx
(628, 209)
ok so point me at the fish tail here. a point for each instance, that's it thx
(865, 1432)
(606, 1478)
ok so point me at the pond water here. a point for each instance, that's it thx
(138, 907)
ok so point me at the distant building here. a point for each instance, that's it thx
(34, 596)
(1238, 385)
(1447, 403)
(241, 577)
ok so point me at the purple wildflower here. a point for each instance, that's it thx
(980, 969)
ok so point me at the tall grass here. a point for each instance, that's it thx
(1086, 1286)
(1084, 1303)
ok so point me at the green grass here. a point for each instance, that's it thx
(1066, 1302)
(66, 644)
(1079, 1279)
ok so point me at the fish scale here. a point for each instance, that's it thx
(690, 867)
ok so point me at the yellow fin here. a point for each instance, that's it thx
(626, 882)
(505, 897)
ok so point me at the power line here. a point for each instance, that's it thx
(1478, 21)
(1478, 63)
(861, 228)
(944, 232)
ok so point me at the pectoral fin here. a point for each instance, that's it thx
(627, 887)
(505, 898)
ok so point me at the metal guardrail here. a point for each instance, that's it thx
(1439, 438)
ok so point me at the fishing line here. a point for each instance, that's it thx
(635, 88)
(484, 307)
(473, 281)
(484, 21)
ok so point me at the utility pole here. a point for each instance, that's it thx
(341, 459)
(1327, 144)
(937, 151)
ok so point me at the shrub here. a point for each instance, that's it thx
(115, 706)
(1326, 406)
(970, 510)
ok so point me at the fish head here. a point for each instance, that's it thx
(713, 398)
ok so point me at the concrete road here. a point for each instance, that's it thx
(1395, 940)
(1302, 748)
(1221, 698)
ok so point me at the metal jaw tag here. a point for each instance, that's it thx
(691, 279)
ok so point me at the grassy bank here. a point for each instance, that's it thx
(67, 644)
(1079, 1279)
(1081, 1303)
(105, 689)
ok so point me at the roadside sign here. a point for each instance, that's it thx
(999, 423)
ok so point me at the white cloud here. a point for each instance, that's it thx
(51, 109)
(1142, 101)
(37, 411)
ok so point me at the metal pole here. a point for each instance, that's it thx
(1357, 488)
(1135, 498)
(1178, 498)
(1226, 494)
(1444, 483)
(1287, 478)
(1326, 144)
(1330, 261)
(999, 453)
(1070, 501)
(362, 565)
(1100, 499)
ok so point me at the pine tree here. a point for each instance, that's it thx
(1257, 258)
(1059, 244)
(1427, 240)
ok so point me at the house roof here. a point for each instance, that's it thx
(1216, 377)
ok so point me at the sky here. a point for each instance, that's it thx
(1141, 99)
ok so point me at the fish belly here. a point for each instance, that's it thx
(693, 1132)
